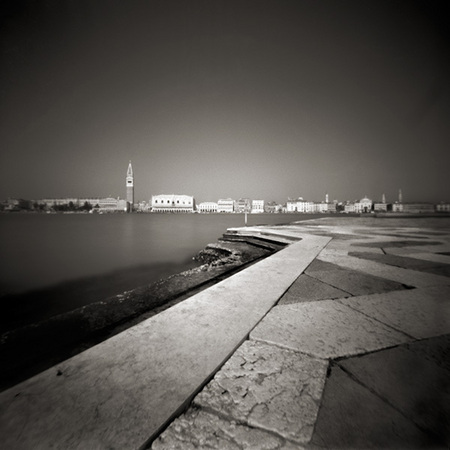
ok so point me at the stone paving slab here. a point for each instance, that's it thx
(354, 282)
(416, 386)
(433, 257)
(421, 313)
(306, 289)
(268, 387)
(385, 243)
(435, 349)
(404, 250)
(121, 392)
(319, 265)
(403, 276)
(352, 417)
(325, 329)
(197, 429)
(406, 262)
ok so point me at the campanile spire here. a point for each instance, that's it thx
(130, 187)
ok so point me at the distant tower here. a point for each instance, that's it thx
(383, 199)
(326, 198)
(400, 196)
(130, 188)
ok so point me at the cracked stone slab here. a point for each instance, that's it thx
(197, 429)
(270, 388)
(306, 289)
(356, 283)
(414, 385)
(421, 313)
(352, 417)
(325, 329)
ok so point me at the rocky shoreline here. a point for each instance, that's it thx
(29, 349)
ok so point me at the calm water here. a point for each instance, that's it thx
(40, 250)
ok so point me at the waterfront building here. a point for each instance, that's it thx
(273, 207)
(443, 207)
(332, 207)
(110, 204)
(350, 207)
(364, 205)
(397, 207)
(257, 206)
(321, 207)
(143, 206)
(291, 204)
(207, 207)
(413, 208)
(225, 205)
(302, 206)
(105, 204)
(380, 207)
(172, 203)
(243, 205)
(130, 187)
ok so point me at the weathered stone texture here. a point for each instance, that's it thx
(197, 429)
(270, 388)
(421, 313)
(326, 329)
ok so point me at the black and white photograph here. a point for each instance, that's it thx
(224, 224)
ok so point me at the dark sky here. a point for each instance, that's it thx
(259, 99)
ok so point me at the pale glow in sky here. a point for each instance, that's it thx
(259, 99)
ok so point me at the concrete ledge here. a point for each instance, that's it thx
(122, 392)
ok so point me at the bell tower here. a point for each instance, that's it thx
(130, 188)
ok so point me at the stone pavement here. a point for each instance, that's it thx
(340, 340)
(356, 353)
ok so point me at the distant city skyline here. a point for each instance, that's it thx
(259, 99)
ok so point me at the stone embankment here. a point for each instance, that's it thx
(339, 340)
(28, 349)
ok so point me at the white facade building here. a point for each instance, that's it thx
(207, 207)
(257, 206)
(364, 205)
(443, 207)
(172, 203)
(225, 205)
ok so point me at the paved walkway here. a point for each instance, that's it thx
(340, 340)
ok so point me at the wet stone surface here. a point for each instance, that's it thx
(270, 388)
